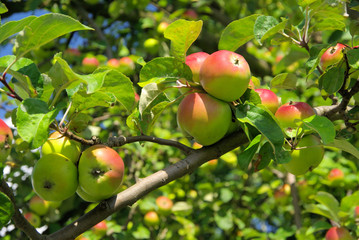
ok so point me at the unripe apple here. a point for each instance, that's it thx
(89, 64)
(113, 63)
(57, 143)
(338, 233)
(151, 45)
(126, 66)
(162, 27)
(33, 219)
(164, 205)
(335, 174)
(288, 113)
(251, 84)
(151, 219)
(306, 156)
(87, 197)
(101, 171)
(211, 165)
(54, 177)
(332, 55)
(225, 75)
(205, 118)
(195, 61)
(269, 99)
(6, 138)
(38, 205)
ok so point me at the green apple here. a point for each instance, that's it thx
(164, 205)
(269, 99)
(38, 205)
(306, 156)
(54, 177)
(225, 75)
(338, 233)
(33, 219)
(332, 55)
(57, 143)
(86, 197)
(162, 27)
(151, 45)
(151, 219)
(101, 171)
(205, 118)
(6, 138)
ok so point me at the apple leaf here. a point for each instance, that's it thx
(315, 53)
(12, 27)
(33, 120)
(245, 157)
(265, 157)
(353, 58)
(164, 69)
(354, 27)
(251, 96)
(82, 100)
(323, 126)
(182, 34)
(263, 25)
(237, 33)
(6, 210)
(224, 219)
(321, 210)
(274, 30)
(284, 81)
(348, 202)
(44, 29)
(344, 145)
(80, 122)
(328, 207)
(332, 80)
(3, 9)
(182, 208)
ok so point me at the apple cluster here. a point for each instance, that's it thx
(164, 208)
(95, 174)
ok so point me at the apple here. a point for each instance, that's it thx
(38, 205)
(126, 66)
(113, 63)
(332, 55)
(33, 219)
(282, 194)
(151, 45)
(57, 143)
(6, 138)
(87, 197)
(164, 205)
(101, 171)
(54, 177)
(269, 99)
(335, 174)
(306, 156)
(338, 233)
(225, 75)
(289, 113)
(211, 165)
(251, 84)
(190, 14)
(356, 212)
(205, 118)
(195, 61)
(151, 219)
(100, 229)
(89, 64)
(162, 27)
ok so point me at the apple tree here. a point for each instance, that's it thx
(179, 120)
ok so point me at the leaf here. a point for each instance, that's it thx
(321, 210)
(80, 122)
(284, 81)
(262, 25)
(12, 27)
(150, 96)
(274, 30)
(82, 100)
(182, 208)
(332, 80)
(237, 33)
(33, 120)
(224, 219)
(226, 194)
(344, 145)
(251, 96)
(348, 202)
(323, 126)
(315, 53)
(353, 58)
(3, 8)
(354, 27)
(6, 209)
(164, 69)
(245, 157)
(328, 200)
(44, 29)
(266, 156)
(182, 34)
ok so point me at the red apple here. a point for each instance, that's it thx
(33, 219)
(89, 64)
(269, 99)
(251, 84)
(190, 14)
(113, 63)
(126, 66)
(225, 75)
(338, 233)
(101, 171)
(195, 61)
(332, 55)
(162, 27)
(164, 205)
(205, 118)
(335, 174)
(356, 212)
(6, 138)
(151, 219)
(38, 205)
(100, 229)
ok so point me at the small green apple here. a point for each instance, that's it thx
(151, 45)
(33, 219)
(87, 197)
(38, 205)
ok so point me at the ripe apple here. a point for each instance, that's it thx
(33, 219)
(251, 84)
(101, 171)
(306, 156)
(162, 27)
(195, 61)
(113, 63)
(332, 55)
(338, 233)
(38, 205)
(151, 45)
(72, 54)
(356, 212)
(225, 75)
(164, 205)
(335, 174)
(54, 177)
(151, 219)
(282, 194)
(190, 14)
(288, 113)
(57, 143)
(205, 118)
(6, 138)
(127, 66)
(100, 228)
(89, 64)
(269, 99)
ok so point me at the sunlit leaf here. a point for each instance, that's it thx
(12, 27)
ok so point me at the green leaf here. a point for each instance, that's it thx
(237, 33)
(353, 58)
(274, 30)
(164, 69)
(12, 27)
(321, 210)
(315, 53)
(33, 120)
(284, 81)
(251, 96)
(224, 219)
(245, 157)
(150, 96)
(266, 156)
(6, 209)
(344, 145)
(3, 8)
(182, 208)
(354, 27)
(80, 122)
(82, 100)
(182, 34)
(332, 80)
(323, 126)
(348, 202)
(305, 3)
(44, 29)
(264, 122)
(262, 25)
(226, 195)
(328, 200)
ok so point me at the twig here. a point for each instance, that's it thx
(295, 200)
